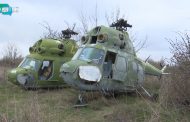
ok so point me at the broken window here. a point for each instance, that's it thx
(93, 40)
(110, 56)
(92, 54)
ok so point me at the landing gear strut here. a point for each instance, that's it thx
(153, 97)
(81, 102)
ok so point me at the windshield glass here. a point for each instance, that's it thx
(77, 54)
(92, 54)
(30, 63)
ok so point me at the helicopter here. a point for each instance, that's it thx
(40, 69)
(107, 62)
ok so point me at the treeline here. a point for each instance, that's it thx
(10, 56)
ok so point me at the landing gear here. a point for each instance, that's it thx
(153, 97)
(81, 102)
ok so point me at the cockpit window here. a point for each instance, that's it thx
(92, 54)
(77, 54)
(30, 63)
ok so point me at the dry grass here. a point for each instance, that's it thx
(56, 105)
(3, 71)
(44, 105)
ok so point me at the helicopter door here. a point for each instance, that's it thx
(46, 70)
(120, 69)
(107, 66)
(140, 74)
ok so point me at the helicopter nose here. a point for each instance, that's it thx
(11, 76)
(67, 77)
(90, 73)
(22, 79)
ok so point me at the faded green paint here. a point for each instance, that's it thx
(112, 36)
(127, 71)
(56, 51)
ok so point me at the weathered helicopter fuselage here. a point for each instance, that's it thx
(107, 62)
(41, 67)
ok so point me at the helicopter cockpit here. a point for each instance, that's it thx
(44, 68)
(106, 61)
(90, 54)
(30, 63)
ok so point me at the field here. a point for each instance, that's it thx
(47, 105)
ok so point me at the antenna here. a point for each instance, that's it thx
(147, 59)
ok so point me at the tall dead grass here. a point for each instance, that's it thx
(174, 93)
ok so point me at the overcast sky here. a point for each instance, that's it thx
(154, 19)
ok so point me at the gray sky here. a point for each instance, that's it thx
(154, 19)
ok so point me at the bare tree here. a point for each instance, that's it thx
(11, 55)
(54, 34)
(139, 45)
(179, 91)
(114, 16)
(88, 21)
(85, 23)
(50, 33)
(180, 48)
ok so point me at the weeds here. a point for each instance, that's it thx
(18, 105)
(178, 87)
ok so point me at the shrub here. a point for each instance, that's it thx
(11, 56)
(178, 88)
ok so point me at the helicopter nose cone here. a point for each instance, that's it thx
(11, 76)
(72, 66)
(68, 67)
(77, 83)
(20, 76)
(67, 77)
(67, 72)
(80, 75)
(22, 79)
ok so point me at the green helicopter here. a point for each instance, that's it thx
(40, 68)
(107, 62)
